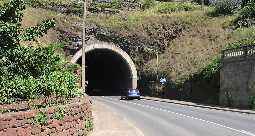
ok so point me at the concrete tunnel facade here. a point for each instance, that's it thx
(109, 69)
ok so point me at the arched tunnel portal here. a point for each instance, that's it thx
(109, 69)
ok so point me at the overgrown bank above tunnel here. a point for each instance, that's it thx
(108, 69)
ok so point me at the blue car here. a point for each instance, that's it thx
(131, 94)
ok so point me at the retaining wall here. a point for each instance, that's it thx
(22, 123)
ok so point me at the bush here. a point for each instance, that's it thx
(89, 124)
(225, 7)
(29, 72)
(32, 72)
(206, 2)
(212, 69)
(146, 4)
(247, 15)
(175, 7)
(116, 4)
(40, 119)
(59, 114)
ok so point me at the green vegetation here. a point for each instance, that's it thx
(188, 39)
(65, 6)
(225, 7)
(242, 42)
(190, 44)
(88, 124)
(59, 114)
(212, 69)
(148, 4)
(29, 72)
(247, 15)
(40, 119)
(167, 7)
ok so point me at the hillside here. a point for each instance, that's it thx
(189, 41)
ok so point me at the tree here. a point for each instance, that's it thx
(11, 32)
(27, 72)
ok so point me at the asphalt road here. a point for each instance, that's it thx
(166, 119)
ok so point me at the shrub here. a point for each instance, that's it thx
(174, 7)
(225, 7)
(206, 2)
(59, 114)
(40, 119)
(88, 124)
(245, 2)
(212, 69)
(31, 72)
(28, 72)
(246, 17)
(116, 4)
(146, 4)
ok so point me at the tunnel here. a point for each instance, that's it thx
(109, 70)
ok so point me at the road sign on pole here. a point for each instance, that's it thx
(162, 81)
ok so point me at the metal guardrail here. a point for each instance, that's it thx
(244, 51)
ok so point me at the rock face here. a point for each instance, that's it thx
(237, 79)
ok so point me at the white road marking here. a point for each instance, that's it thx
(188, 116)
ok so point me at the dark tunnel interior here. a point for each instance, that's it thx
(107, 73)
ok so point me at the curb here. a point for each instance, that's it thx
(197, 105)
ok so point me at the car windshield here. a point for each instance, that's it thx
(133, 91)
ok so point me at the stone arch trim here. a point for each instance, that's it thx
(115, 49)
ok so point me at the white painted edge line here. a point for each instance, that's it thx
(187, 116)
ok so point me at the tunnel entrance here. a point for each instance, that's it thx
(108, 70)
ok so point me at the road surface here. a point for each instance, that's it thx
(166, 119)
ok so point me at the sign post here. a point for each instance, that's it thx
(83, 47)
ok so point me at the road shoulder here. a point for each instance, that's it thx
(198, 105)
(109, 123)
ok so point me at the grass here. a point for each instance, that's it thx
(33, 16)
(196, 46)
(169, 7)
(189, 53)
(242, 33)
(194, 49)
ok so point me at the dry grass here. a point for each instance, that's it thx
(187, 54)
(34, 16)
(203, 40)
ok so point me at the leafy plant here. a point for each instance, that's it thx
(212, 69)
(146, 4)
(59, 114)
(246, 17)
(116, 4)
(27, 72)
(226, 7)
(40, 119)
(89, 124)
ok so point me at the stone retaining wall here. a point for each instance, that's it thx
(77, 113)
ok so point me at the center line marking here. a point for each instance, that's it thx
(187, 116)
